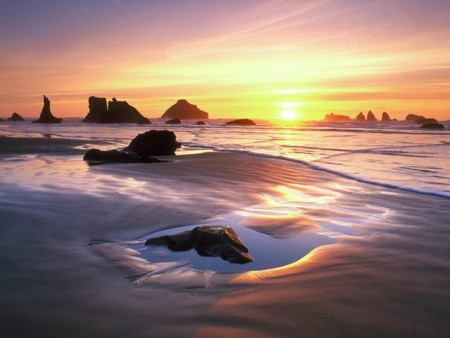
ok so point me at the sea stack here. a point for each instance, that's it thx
(184, 110)
(15, 118)
(360, 117)
(115, 112)
(385, 117)
(46, 115)
(371, 116)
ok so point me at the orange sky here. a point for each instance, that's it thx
(244, 58)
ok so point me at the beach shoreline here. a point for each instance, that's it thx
(376, 280)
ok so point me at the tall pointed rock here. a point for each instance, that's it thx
(46, 115)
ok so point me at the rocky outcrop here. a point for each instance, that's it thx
(209, 241)
(360, 117)
(115, 112)
(15, 118)
(385, 117)
(173, 121)
(413, 117)
(46, 115)
(371, 117)
(96, 156)
(98, 110)
(425, 120)
(241, 122)
(154, 143)
(200, 123)
(140, 149)
(184, 110)
(337, 118)
(432, 126)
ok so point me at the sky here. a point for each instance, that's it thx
(265, 59)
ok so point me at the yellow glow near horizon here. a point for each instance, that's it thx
(289, 115)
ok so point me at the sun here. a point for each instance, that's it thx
(289, 115)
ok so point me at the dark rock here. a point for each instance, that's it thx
(200, 123)
(98, 110)
(337, 118)
(46, 115)
(117, 112)
(241, 122)
(16, 118)
(210, 241)
(2, 120)
(371, 117)
(173, 121)
(424, 120)
(385, 117)
(413, 117)
(96, 156)
(360, 117)
(108, 156)
(184, 110)
(154, 143)
(432, 126)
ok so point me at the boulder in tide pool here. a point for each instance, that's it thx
(154, 143)
(209, 241)
(241, 122)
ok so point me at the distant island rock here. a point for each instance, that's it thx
(360, 117)
(371, 117)
(432, 126)
(173, 121)
(16, 118)
(425, 120)
(337, 118)
(241, 122)
(184, 110)
(209, 241)
(140, 149)
(413, 117)
(385, 117)
(115, 112)
(46, 115)
(200, 123)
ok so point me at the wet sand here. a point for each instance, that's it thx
(387, 274)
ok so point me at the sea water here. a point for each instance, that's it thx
(395, 154)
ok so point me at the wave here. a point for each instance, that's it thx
(437, 193)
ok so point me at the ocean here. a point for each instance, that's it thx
(348, 224)
(393, 154)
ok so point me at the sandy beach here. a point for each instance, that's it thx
(387, 274)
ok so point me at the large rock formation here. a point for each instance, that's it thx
(116, 112)
(371, 116)
(154, 143)
(46, 115)
(210, 241)
(385, 117)
(184, 110)
(98, 110)
(360, 117)
(241, 122)
(337, 118)
(16, 118)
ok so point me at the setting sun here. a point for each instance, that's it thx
(289, 115)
